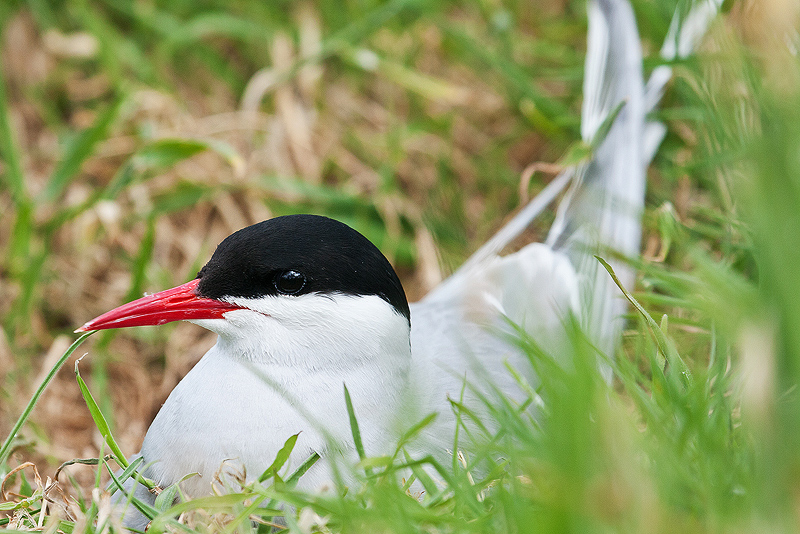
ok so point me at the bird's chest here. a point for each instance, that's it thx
(242, 414)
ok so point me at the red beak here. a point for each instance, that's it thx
(176, 304)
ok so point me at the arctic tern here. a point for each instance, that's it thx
(304, 304)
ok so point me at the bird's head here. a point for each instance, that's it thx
(285, 286)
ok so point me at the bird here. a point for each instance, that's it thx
(303, 304)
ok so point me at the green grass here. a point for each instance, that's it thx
(118, 166)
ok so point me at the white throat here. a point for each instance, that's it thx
(313, 331)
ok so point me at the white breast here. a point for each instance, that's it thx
(277, 369)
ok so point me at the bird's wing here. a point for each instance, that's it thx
(600, 213)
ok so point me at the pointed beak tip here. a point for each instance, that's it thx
(177, 304)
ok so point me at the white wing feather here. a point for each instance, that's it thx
(537, 286)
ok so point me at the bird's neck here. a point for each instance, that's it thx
(363, 344)
(317, 333)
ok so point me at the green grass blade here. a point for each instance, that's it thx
(79, 150)
(9, 151)
(99, 420)
(424, 478)
(354, 425)
(215, 502)
(165, 153)
(128, 472)
(6, 448)
(280, 458)
(166, 498)
(664, 345)
(605, 127)
(414, 431)
(147, 510)
(300, 471)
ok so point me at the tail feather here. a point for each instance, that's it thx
(601, 214)
(454, 329)
(601, 211)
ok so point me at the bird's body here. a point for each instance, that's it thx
(304, 305)
(280, 362)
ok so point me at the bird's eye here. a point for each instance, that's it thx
(290, 282)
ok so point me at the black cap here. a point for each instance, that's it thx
(299, 254)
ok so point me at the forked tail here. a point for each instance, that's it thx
(601, 212)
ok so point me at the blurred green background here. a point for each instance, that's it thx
(135, 135)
